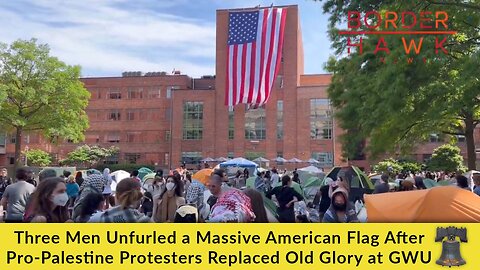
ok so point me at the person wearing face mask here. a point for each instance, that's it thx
(286, 197)
(170, 200)
(15, 197)
(341, 210)
(128, 197)
(49, 202)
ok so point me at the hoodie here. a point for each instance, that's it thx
(331, 214)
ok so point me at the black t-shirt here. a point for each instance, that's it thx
(284, 195)
(4, 182)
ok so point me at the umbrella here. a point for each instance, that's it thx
(238, 162)
(202, 176)
(311, 169)
(260, 159)
(143, 171)
(429, 183)
(208, 159)
(295, 160)
(279, 159)
(222, 159)
(313, 161)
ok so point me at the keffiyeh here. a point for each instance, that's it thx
(232, 206)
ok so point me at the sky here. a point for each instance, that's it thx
(107, 37)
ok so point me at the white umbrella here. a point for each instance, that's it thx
(313, 161)
(221, 159)
(260, 159)
(208, 159)
(294, 160)
(279, 159)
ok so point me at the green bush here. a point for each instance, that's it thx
(447, 158)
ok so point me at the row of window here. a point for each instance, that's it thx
(133, 93)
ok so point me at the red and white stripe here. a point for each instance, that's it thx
(253, 67)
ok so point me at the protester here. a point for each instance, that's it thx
(46, 173)
(260, 182)
(419, 183)
(135, 174)
(31, 177)
(476, 182)
(341, 210)
(93, 184)
(240, 180)
(66, 174)
(4, 180)
(107, 190)
(258, 206)
(72, 190)
(195, 196)
(462, 182)
(295, 177)
(325, 200)
(232, 206)
(92, 209)
(286, 197)
(170, 200)
(147, 204)
(382, 185)
(49, 202)
(15, 196)
(215, 187)
(186, 214)
(128, 197)
(79, 178)
(275, 178)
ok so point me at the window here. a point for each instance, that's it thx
(460, 138)
(280, 81)
(26, 139)
(169, 92)
(13, 139)
(111, 159)
(133, 137)
(434, 138)
(99, 93)
(167, 135)
(255, 124)
(191, 157)
(280, 119)
(114, 115)
(134, 93)
(115, 94)
(167, 159)
(230, 155)
(132, 158)
(321, 121)
(154, 92)
(130, 115)
(231, 124)
(192, 120)
(11, 160)
(113, 138)
(3, 140)
(325, 159)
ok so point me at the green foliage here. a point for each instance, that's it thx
(397, 105)
(410, 166)
(38, 158)
(88, 156)
(446, 158)
(126, 167)
(388, 166)
(40, 93)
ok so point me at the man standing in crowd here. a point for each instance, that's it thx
(4, 180)
(382, 185)
(15, 197)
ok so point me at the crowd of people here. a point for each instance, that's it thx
(179, 198)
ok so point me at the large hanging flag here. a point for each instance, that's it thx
(255, 40)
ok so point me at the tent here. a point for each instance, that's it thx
(294, 160)
(313, 161)
(429, 183)
(118, 176)
(357, 180)
(310, 169)
(143, 171)
(311, 187)
(203, 176)
(279, 160)
(147, 179)
(221, 159)
(260, 159)
(438, 204)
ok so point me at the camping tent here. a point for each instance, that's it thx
(118, 176)
(310, 169)
(143, 171)
(311, 187)
(438, 204)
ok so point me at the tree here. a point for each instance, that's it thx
(41, 94)
(37, 157)
(388, 166)
(410, 166)
(446, 158)
(86, 155)
(394, 103)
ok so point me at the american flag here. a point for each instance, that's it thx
(255, 40)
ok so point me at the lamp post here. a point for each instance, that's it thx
(26, 161)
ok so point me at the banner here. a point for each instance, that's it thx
(239, 246)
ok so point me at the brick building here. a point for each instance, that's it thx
(163, 119)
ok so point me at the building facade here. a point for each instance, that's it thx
(164, 119)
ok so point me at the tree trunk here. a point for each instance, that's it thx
(18, 148)
(469, 137)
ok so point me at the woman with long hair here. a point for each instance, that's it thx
(170, 200)
(49, 202)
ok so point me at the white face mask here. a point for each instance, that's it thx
(170, 186)
(60, 199)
